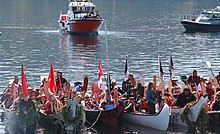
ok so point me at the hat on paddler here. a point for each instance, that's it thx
(29, 88)
(174, 79)
(186, 89)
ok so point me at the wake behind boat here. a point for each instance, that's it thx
(81, 18)
(208, 20)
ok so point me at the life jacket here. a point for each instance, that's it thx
(144, 105)
(88, 104)
(47, 107)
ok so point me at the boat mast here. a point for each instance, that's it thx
(106, 43)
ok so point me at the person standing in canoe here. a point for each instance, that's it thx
(194, 78)
(151, 98)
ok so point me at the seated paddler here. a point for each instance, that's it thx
(185, 97)
(107, 103)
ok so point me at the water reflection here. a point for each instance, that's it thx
(79, 53)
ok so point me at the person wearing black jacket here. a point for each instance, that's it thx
(185, 97)
(216, 104)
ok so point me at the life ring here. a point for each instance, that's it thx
(89, 15)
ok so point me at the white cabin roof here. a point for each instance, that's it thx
(81, 4)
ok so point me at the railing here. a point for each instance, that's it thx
(192, 17)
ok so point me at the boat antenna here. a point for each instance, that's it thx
(106, 43)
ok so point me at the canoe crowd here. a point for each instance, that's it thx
(135, 95)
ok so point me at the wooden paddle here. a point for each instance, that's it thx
(155, 82)
(209, 66)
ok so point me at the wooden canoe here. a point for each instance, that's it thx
(193, 112)
(23, 119)
(158, 121)
(107, 117)
(70, 117)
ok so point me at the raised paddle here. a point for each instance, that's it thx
(209, 66)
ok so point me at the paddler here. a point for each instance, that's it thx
(194, 78)
(218, 78)
(130, 105)
(175, 87)
(151, 98)
(108, 103)
(216, 104)
(210, 90)
(185, 97)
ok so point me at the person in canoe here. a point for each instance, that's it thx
(185, 97)
(151, 98)
(216, 103)
(210, 90)
(108, 103)
(218, 78)
(194, 78)
(175, 88)
(87, 102)
(130, 105)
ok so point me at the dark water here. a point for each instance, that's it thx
(140, 29)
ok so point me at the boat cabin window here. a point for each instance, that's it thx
(216, 16)
(205, 15)
(87, 8)
(74, 8)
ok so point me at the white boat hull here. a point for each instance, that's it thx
(160, 121)
(193, 112)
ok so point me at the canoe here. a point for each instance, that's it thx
(193, 112)
(70, 117)
(159, 121)
(23, 119)
(107, 117)
(214, 118)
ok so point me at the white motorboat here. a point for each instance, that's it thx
(208, 20)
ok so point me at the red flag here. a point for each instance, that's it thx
(51, 80)
(23, 82)
(100, 73)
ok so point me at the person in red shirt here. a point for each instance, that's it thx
(210, 90)
(194, 78)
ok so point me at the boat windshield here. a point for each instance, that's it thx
(205, 15)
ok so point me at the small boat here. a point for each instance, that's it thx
(24, 116)
(193, 112)
(81, 18)
(159, 121)
(107, 117)
(208, 20)
(70, 117)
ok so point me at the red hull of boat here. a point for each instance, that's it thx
(84, 26)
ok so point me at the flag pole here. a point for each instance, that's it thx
(170, 66)
(106, 43)
(159, 65)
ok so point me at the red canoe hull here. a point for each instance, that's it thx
(84, 26)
